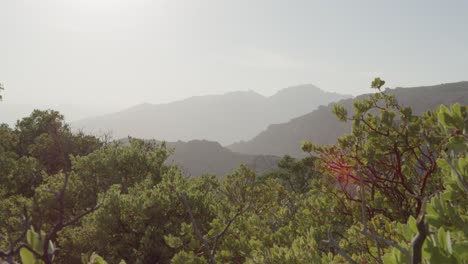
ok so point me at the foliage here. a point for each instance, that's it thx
(392, 191)
(387, 154)
(447, 212)
(297, 175)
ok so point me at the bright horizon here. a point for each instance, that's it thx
(115, 54)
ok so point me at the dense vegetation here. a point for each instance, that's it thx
(392, 191)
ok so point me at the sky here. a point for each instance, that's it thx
(118, 53)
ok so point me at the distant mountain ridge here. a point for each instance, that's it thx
(198, 157)
(322, 127)
(10, 112)
(224, 118)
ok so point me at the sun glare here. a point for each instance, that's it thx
(89, 15)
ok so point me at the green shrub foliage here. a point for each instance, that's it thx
(394, 190)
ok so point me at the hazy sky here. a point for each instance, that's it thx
(124, 52)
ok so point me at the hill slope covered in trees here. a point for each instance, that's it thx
(198, 157)
(322, 127)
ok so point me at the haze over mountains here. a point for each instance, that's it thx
(10, 112)
(322, 127)
(199, 157)
(223, 118)
(273, 126)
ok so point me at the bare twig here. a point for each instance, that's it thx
(17, 245)
(61, 223)
(386, 241)
(46, 255)
(220, 234)
(338, 248)
(206, 246)
(373, 236)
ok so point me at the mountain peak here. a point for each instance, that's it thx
(225, 118)
(301, 88)
(303, 91)
(203, 145)
(322, 127)
(249, 92)
(229, 96)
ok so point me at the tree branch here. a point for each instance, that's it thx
(206, 246)
(215, 241)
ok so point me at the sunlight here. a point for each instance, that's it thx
(112, 11)
(105, 15)
(233, 131)
(99, 6)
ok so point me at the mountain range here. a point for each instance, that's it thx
(275, 126)
(223, 118)
(322, 127)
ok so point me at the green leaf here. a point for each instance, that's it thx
(96, 259)
(377, 83)
(27, 257)
(449, 243)
(340, 112)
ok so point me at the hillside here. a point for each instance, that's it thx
(322, 127)
(199, 157)
(223, 118)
